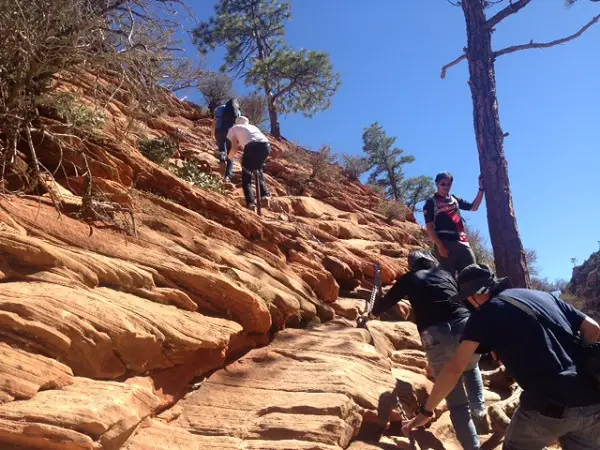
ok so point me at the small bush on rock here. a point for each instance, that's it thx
(159, 150)
(70, 110)
(323, 164)
(392, 210)
(193, 174)
(355, 166)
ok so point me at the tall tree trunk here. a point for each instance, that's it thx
(275, 130)
(509, 254)
(393, 185)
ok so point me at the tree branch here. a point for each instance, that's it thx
(508, 11)
(516, 48)
(453, 63)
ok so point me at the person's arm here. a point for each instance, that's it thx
(588, 328)
(430, 226)
(445, 382)
(479, 198)
(234, 144)
(394, 295)
(436, 239)
(589, 331)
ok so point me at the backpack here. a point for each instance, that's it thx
(230, 113)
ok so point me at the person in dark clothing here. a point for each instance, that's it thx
(441, 324)
(224, 119)
(445, 225)
(256, 148)
(522, 327)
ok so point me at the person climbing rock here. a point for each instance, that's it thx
(534, 335)
(441, 323)
(256, 148)
(224, 119)
(445, 225)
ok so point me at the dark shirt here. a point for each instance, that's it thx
(445, 215)
(537, 359)
(429, 292)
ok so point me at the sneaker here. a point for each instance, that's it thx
(252, 207)
(482, 424)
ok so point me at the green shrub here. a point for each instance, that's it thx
(70, 110)
(159, 150)
(193, 174)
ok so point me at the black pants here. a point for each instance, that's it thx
(224, 145)
(255, 156)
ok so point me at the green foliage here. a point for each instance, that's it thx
(392, 210)
(245, 28)
(386, 160)
(252, 32)
(301, 81)
(193, 174)
(417, 190)
(159, 150)
(355, 166)
(70, 110)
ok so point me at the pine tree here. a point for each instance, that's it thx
(386, 161)
(417, 190)
(252, 32)
(510, 256)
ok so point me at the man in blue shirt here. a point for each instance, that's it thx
(558, 401)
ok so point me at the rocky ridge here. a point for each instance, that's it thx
(585, 285)
(146, 326)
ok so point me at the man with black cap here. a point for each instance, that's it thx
(445, 225)
(532, 333)
(441, 323)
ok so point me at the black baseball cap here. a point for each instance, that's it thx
(475, 279)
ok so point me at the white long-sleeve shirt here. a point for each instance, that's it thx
(242, 135)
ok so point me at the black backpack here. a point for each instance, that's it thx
(230, 113)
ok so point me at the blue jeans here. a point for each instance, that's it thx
(441, 342)
(579, 429)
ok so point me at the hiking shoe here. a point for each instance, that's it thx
(252, 207)
(482, 424)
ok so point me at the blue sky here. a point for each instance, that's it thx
(389, 54)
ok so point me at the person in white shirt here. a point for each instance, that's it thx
(255, 145)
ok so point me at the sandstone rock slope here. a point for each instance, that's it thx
(131, 328)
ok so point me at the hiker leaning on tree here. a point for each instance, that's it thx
(539, 338)
(255, 145)
(441, 323)
(445, 225)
